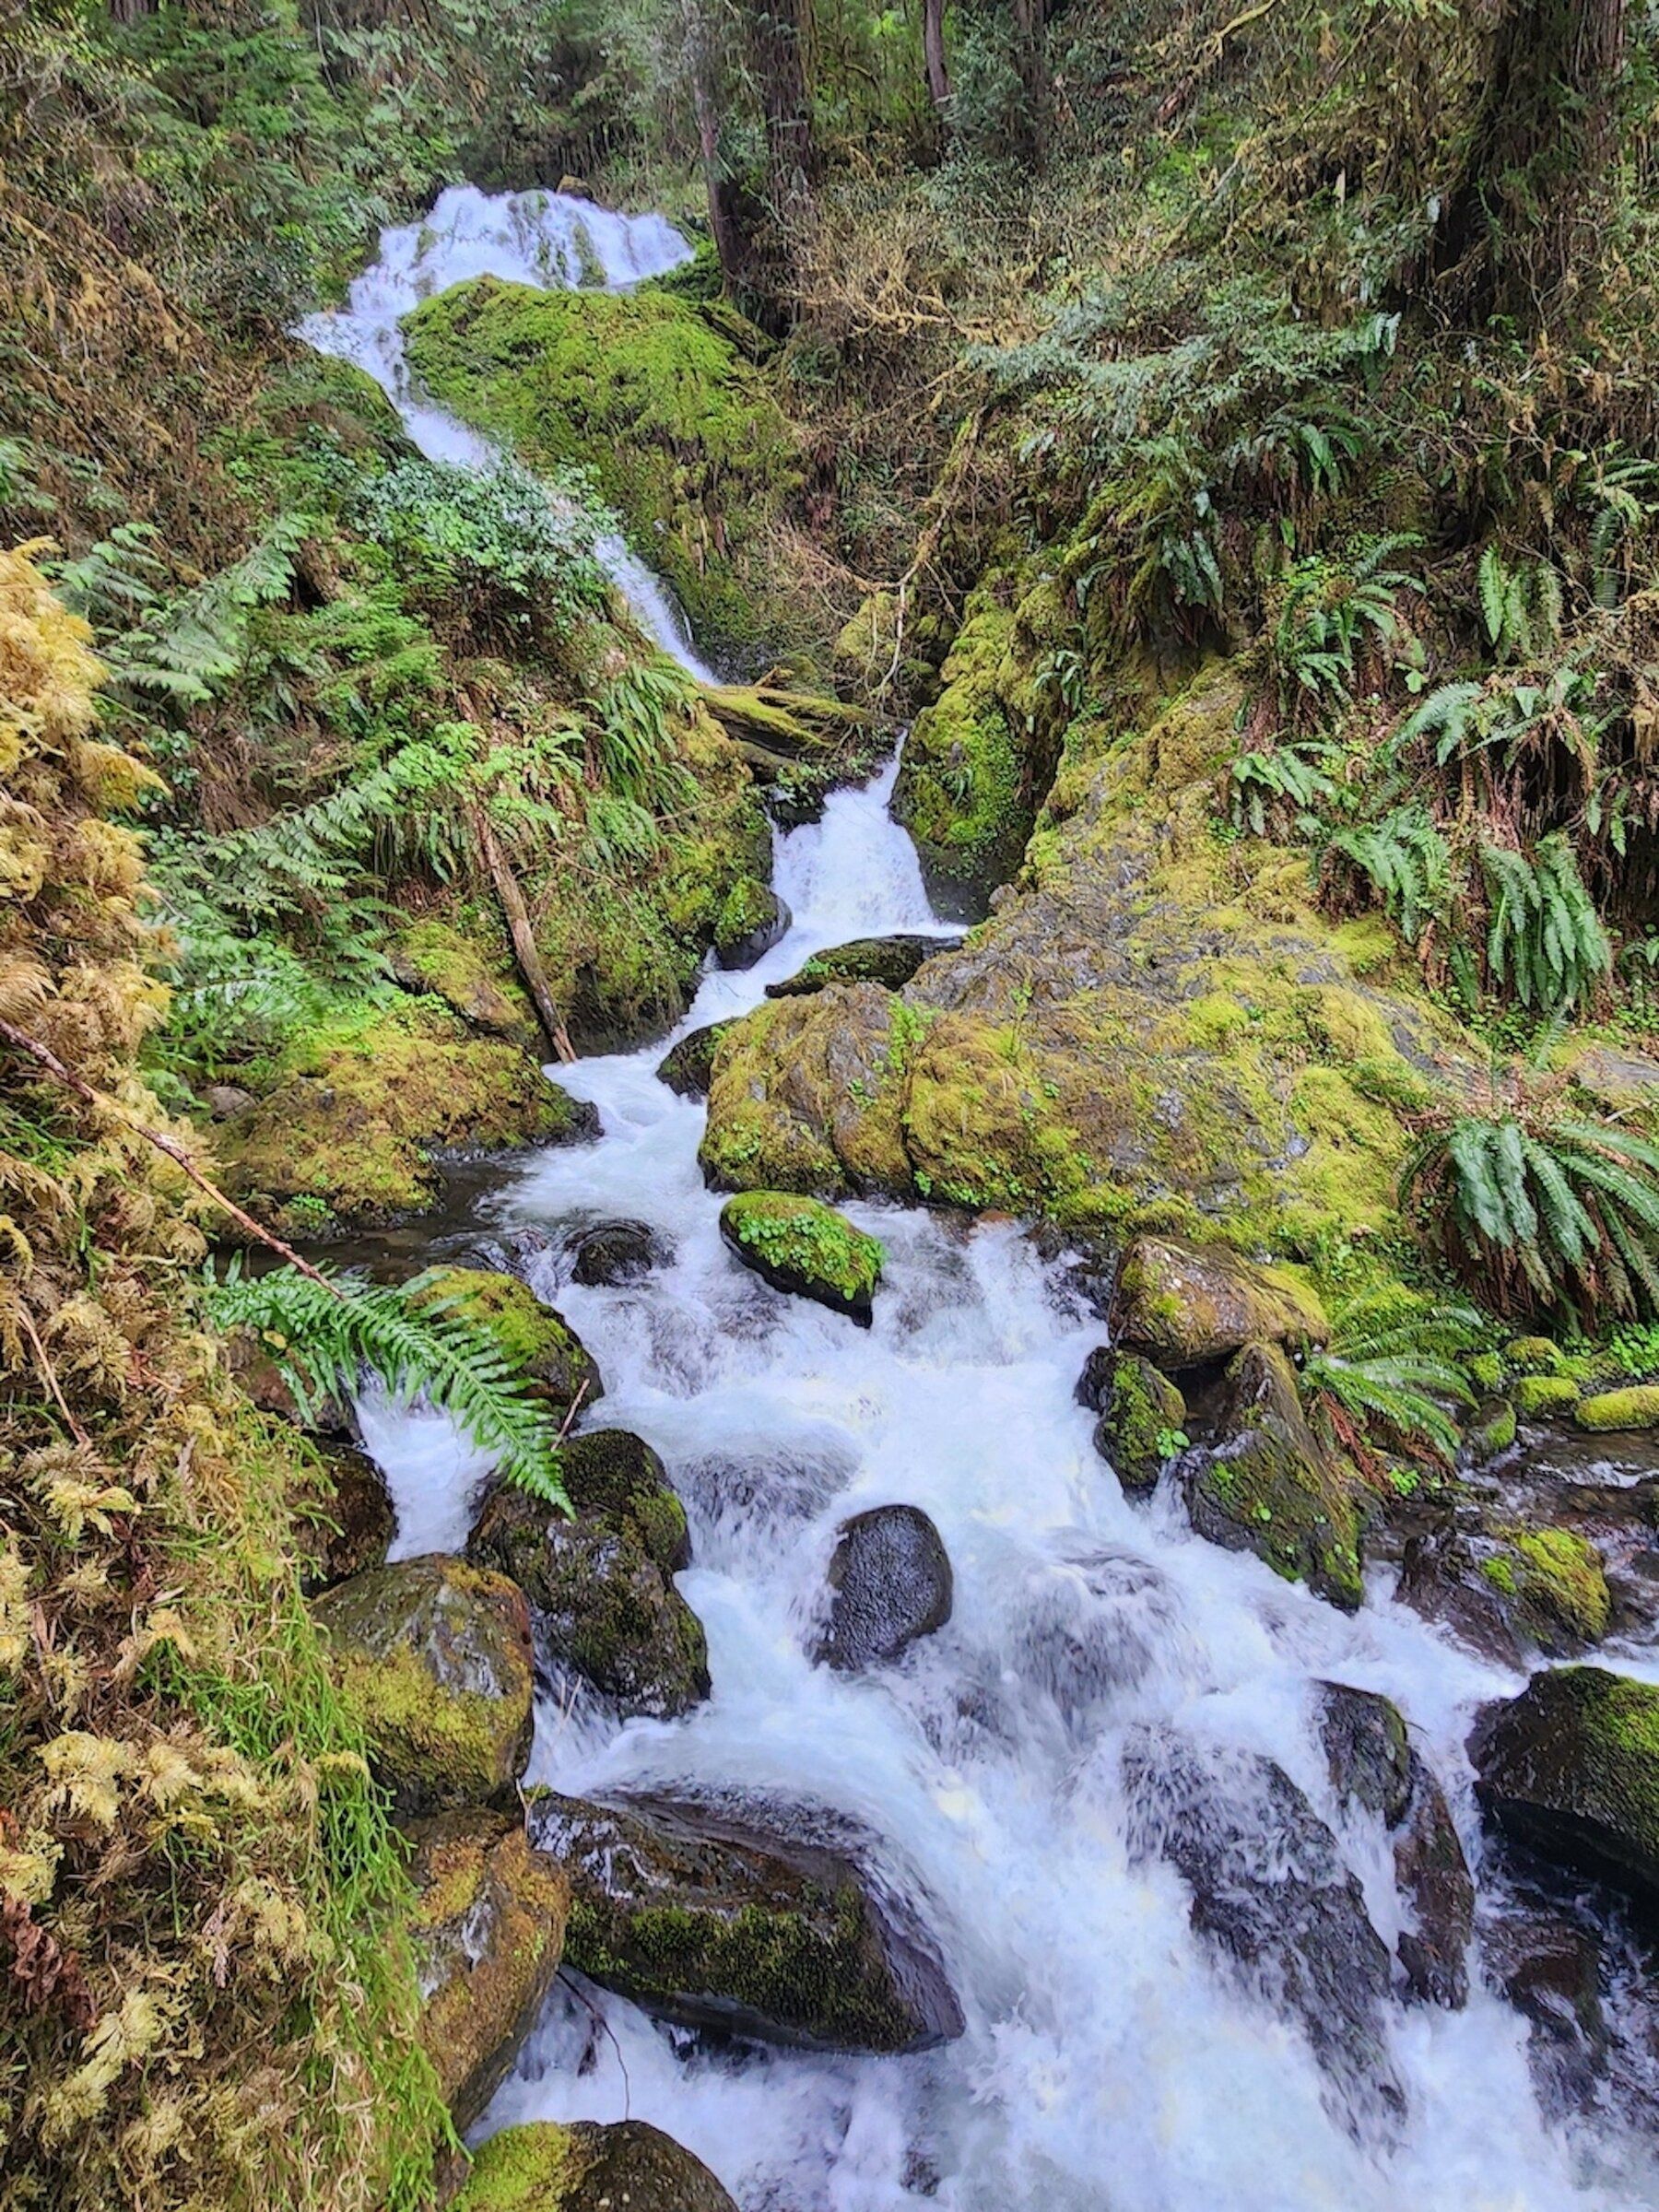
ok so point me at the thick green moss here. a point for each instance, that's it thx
(680, 432)
(1140, 1423)
(1538, 1396)
(1532, 1356)
(1637, 1407)
(802, 1245)
(532, 2169)
(961, 791)
(1557, 1578)
(536, 1342)
(474, 982)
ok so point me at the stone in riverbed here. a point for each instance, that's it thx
(488, 1934)
(600, 1585)
(687, 1067)
(1269, 1486)
(1186, 1305)
(801, 1246)
(1637, 1407)
(890, 1582)
(709, 1919)
(614, 1253)
(436, 1656)
(1141, 1416)
(535, 1340)
(890, 961)
(1538, 1396)
(1373, 1765)
(584, 2166)
(749, 925)
(1508, 1589)
(1269, 1887)
(1571, 1768)
(347, 1526)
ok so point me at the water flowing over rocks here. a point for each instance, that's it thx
(626, 2167)
(436, 1654)
(890, 1583)
(615, 1252)
(757, 1920)
(488, 1936)
(600, 1584)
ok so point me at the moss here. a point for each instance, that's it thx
(750, 914)
(536, 2168)
(476, 982)
(356, 1108)
(1534, 1356)
(802, 1245)
(1561, 1581)
(535, 1340)
(1637, 1407)
(961, 791)
(1538, 1396)
(1139, 1422)
(1491, 1431)
(681, 433)
(1486, 1370)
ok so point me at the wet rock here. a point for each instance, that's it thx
(802, 1246)
(1538, 1397)
(1267, 1484)
(436, 1656)
(600, 1585)
(347, 1525)
(1372, 1765)
(1141, 1415)
(488, 1934)
(757, 1920)
(1546, 1959)
(1507, 1589)
(1185, 1305)
(1636, 1407)
(890, 961)
(687, 1067)
(751, 923)
(615, 1252)
(889, 1581)
(536, 1342)
(1571, 1768)
(1269, 1888)
(584, 2166)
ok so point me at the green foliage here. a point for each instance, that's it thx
(1292, 777)
(1545, 941)
(1541, 1211)
(1407, 863)
(324, 1335)
(1391, 1356)
(1521, 606)
(635, 741)
(1327, 617)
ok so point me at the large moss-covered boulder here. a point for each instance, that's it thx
(1267, 1484)
(601, 1585)
(583, 2167)
(1185, 1304)
(1141, 1413)
(721, 1921)
(537, 1342)
(435, 1653)
(890, 961)
(1155, 1031)
(350, 1126)
(1508, 1588)
(806, 1248)
(1571, 1768)
(488, 1934)
(680, 431)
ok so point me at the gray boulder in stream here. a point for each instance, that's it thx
(760, 1922)
(600, 1584)
(889, 1583)
(687, 1067)
(1271, 1891)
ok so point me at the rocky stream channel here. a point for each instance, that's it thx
(947, 1818)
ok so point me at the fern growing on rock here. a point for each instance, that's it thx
(323, 1332)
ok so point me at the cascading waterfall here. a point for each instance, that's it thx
(1109, 2060)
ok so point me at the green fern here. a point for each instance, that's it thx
(324, 1336)
(186, 651)
(1544, 940)
(1392, 1356)
(1408, 864)
(1260, 783)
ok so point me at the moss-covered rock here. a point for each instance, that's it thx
(488, 1934)
(348, 1127)
(1570, 1766)
(803, 1247)
(537, 1342)
(433, 957)
(588, 2168)
(1268, 1485)
(751, 919)
(687, 1067)
(1555, 1579)
(435, 1653)
(1491, 1430)
(963, 792)
(713, 1922)
(344, 1525)
(1185, 1305)
(1141, 1417)
(1635, 1408)
(1532, 1356)
(890, 961)
(600, 1585)
(1537, 1397)
(680, 431)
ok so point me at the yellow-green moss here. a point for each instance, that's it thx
(532, 2169)
(1536, 1396)
(1556, 1577)
(473, 981)
(536, 1341)
(1534, 1356)
(1637, 1407)
(804, 1245)
(961, 790)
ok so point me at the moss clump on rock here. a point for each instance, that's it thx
(800, 1245)
(585, 2167)
(355, 1110)
(435, 958)
(1571, 1768)
(1491, 1430)
(1141, 1416)
(1637, 1407)
(1538, 1396)
(1185, 1304)
(681, 433)
(751, 919)
(963, 787)
(538, 1343)
(1532, 1356)
(1554, 1575)
(687, 1067)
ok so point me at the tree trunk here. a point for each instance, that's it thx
(731, 242)
(776, 29)
(1031, 44)
(1521, 233)
(933, 49)
(517, 917)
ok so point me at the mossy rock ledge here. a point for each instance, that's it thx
(804, 1248)
(723, 1918)
(436, 1656)
(600, 1584)
(1570, 1768)
(1153, 1031)
(489, 1935)
(890, 961)
(584, 2166)
(1635, 1408)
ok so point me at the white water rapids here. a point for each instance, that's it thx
(1110, 2063)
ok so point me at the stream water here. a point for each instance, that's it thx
(1110, 2059)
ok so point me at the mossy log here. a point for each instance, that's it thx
(778, 721)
